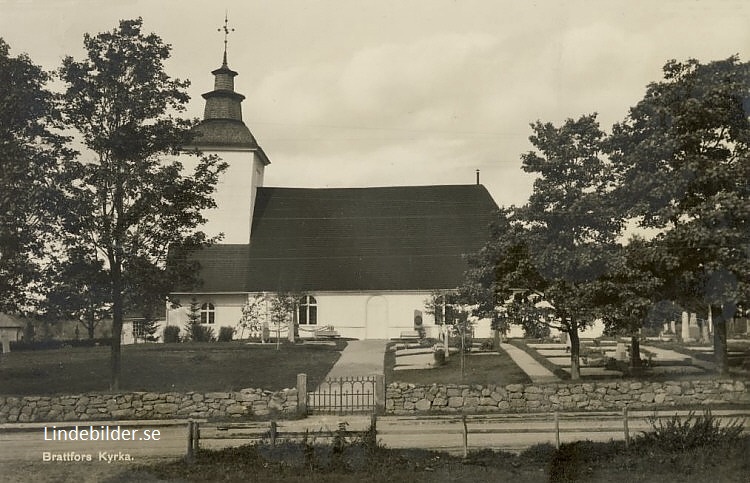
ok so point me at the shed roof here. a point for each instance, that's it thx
(11, 321)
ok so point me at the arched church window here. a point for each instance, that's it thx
(308, 310)
(208, 313)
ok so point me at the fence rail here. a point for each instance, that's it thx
(272, 432)
(457, 433)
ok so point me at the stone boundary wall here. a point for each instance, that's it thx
(404, 398)
(146, 405)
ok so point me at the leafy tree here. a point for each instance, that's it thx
(133, 202)
(570, 226)
(545, 256)
(681, 157)
(32, 160)
(252, 315)
(283, 310)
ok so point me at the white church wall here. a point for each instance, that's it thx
(227, 310)
(234, 195)
(354, 315)
(346, 312)
(372, 315)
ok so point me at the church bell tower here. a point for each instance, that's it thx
(223, 133)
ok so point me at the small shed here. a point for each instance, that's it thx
(11, 328)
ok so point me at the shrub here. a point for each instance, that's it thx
(540, 453)
(23, 345)
(439, 356)
(171, 334)
(487, 345)
(692, 432)
(200, 333)
(225, 334)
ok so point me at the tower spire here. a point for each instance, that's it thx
(227, 31)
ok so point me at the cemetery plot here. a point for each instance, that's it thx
(595, 355)
(414, 358)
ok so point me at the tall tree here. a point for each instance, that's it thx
(32, 160)
(544, 258)
(682, 157)
(134, 202)
(570, 226)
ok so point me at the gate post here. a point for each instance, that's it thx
(380, 394)
(301, 394)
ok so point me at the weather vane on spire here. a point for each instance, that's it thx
(226, 30)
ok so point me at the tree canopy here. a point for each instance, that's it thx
(134, 202)
(682, 161)
(679, 164)
(33, 155)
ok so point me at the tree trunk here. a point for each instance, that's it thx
(295, 323)
(496, 341)
(575, 350)
(90, 327)
(719, 318)
(635, 351)
(117, 316)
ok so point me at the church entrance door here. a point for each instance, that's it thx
(377, 317)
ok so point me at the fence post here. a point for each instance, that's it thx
(380, 394)
(189, 455)
(625, 426)
(301, 394)
(274, 433)
(466, 436)
(557, 430)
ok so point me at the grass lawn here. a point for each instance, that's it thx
(182, 367)
(486, 368)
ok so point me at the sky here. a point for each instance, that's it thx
(350, 93)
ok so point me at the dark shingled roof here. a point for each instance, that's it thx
(223, 133)
(393, 238)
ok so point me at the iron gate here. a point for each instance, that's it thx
(343, 395)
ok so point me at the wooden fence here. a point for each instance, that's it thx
(467, 431)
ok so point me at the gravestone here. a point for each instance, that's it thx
(685, 332)
(694, 330)
(621, 353)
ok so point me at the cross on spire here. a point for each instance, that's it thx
(227, 31)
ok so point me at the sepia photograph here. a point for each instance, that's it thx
(331, 240)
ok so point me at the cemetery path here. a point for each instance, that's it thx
(360, 358)
(536, 372)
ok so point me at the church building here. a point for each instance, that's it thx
(362, 261)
